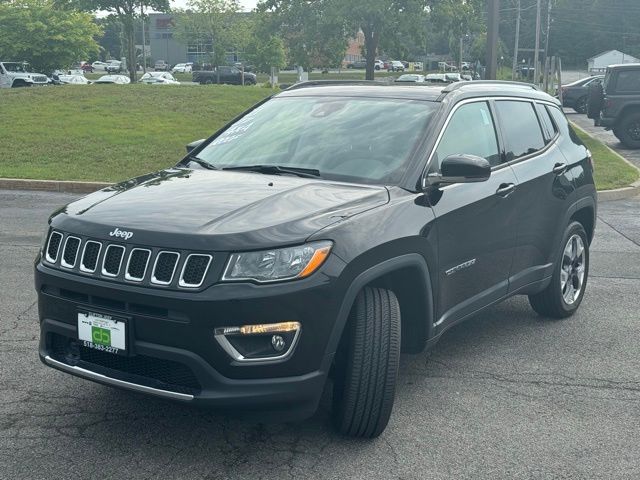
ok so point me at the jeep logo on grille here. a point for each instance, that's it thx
(121, 233)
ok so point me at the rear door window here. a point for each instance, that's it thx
(549, 128)
(628, 81)
(521, 130)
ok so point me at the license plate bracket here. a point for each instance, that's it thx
(103, 332)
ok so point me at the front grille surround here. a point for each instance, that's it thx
(56, 238)
(154, 270)
(185, 284)
(83, 264)
(68, 249)
(104, 271)
(127, 270)
(118, 262)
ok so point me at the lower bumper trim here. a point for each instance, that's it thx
(82, 372)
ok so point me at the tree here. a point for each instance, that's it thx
(46, 37)
(215, 23)
(265, 55)
(126, 11)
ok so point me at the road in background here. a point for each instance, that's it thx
(504, 395)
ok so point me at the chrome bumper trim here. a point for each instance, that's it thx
(81, 372)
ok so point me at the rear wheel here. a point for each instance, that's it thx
(565, 292)
(581, 104)
(367, 368)
(629, 130)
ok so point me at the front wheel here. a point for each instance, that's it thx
(564, 294)
(367, 365)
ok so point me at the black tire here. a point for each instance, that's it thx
(551, 301)
(365, 381)
(581, 104)
(628, 130)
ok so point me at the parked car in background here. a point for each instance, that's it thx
(113, 66)
(114, 79)
(159, 78)
(436, 78)
(621, 103)
(17, 74)
(98, 65)
(358, 64)
(224, 74)
(576, 94)
(161, 66)
(453, 77)
(182, 68)
(72, 79)
(379, 65)
(410, 78)
(395, 66)
(446, 67)
(418, 66)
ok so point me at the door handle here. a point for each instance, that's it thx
(505, 189)
(559, 168)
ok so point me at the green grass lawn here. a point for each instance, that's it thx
(109, 132)
(610, 171)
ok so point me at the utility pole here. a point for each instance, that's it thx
(546, 38)
(536, 54)
(492, 38)
(515, 46)
(461, 53)
(144, 48)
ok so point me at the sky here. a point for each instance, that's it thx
(247, 4)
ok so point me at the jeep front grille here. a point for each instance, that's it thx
(194, 270)
(112, 260)
(53, 248)
(118, 262)
(137, 264)
(70, 252)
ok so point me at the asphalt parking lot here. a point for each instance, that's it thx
(505, 395)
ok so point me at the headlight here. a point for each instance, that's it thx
(277, 264)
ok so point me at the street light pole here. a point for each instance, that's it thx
(144, 48)
(515, 46)
(536, 53)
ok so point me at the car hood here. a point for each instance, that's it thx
(216, 210)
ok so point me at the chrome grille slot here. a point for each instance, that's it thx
(112, 260)
(70, 252)
(194, 270)
(53, 247)
(90, 255)
(164, 268)
(137, 264)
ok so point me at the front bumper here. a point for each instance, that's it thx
(172, 352)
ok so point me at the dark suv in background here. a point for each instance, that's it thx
(621, 103)
(318, 236)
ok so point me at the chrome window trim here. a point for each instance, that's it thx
(181, 281)
(126, 270)
(154, 280)
(46, 253)
(104, 258)
(62, 261)
(238, 357)
(82, 267)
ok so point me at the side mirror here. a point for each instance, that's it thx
(461, 168)
(193, 145)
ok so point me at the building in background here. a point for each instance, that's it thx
(354, 50)
(600, 62)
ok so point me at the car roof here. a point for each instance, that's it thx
(620, 66)
(421, 91)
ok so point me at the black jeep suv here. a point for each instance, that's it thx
(317, 236)
(621, 103)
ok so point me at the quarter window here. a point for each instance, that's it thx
(470, 131)
(549, 128)
(628, 81)
(520, 128)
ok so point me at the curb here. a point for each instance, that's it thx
(51, 185)
(618, 193)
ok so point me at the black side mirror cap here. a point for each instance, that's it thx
(460, 168)
(193, 145)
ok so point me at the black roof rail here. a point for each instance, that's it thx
(328, 83)
(507, 83)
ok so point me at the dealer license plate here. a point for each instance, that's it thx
(102, 332)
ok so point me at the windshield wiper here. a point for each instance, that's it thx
(201, 162)
(278, 170)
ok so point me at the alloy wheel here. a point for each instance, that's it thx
(572, 269)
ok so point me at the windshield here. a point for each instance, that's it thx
(15, 67)
(365, 140)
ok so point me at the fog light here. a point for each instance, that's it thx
(262, 342)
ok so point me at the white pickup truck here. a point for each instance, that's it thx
(15, 74)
